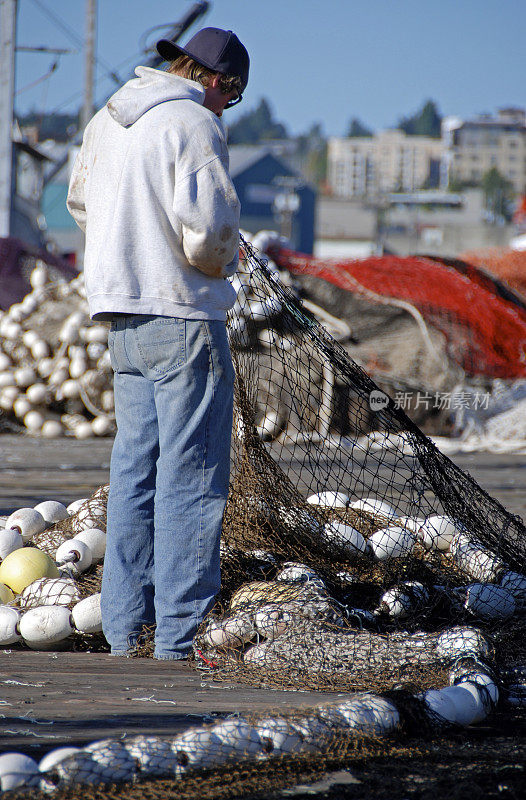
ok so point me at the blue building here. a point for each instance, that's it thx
(273, 195)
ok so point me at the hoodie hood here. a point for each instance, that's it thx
(150, 88)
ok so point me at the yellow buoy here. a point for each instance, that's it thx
(25, 565)
(6, 595)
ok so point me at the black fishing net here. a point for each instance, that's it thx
(354, 553)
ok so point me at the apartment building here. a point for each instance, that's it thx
(472, 147)
(388, 161)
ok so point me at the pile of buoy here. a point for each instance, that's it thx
(44, 601)
(292, 618)
(55, 370)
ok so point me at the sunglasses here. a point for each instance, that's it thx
(234, 102)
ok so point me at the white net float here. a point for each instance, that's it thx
(461, 641)
(400, 601)
(28, 521)
(52, 511)
(76, 505)
(114, 758)
(278, 737)
(436, 532)
(489, 602)
(50, 592)
(86, 614)
(76, 552)
(153, 756)
(329, 499)
(230, 632)
(372, 505)
(238, 738)
(9, 620)
(10, 539)
(54, 757)
(17, 770)
(474, 559)
(199, 748)
(344, 534)
(391, 542)
(95, 539)
(515, 583)
(44, 627)
(272, 620)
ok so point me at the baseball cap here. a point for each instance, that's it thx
(218, 50)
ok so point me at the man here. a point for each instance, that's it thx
(152, 191)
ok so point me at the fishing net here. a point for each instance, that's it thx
(355, 556)
(482, 320)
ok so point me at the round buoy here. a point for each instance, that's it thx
(25, 565)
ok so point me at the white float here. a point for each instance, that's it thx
(54, 757)
(515, 583)
(10, 539)
(9, 620)
(17, 770)
(329, 499)
(298, 573)
(95, 539)
(436, 532)
(370, 714)
(28, 521)
(76, 505)
(391, 542)
(113, 756)
(238, 738)
(153, 756)
(441, 704)
(474, 559)
(401, 600)
(43, 627)
(52, 511)
(86, 614)
(199, 748)
(272, 620)
(278, 737)
(459, 641)
(469, 707)
(50, 592)
(231, 632)
(489, 602)
(372, 505)
(76, 552)
(343, 534)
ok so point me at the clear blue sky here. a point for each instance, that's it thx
(314, 60)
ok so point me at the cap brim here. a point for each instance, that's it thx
(169, 50)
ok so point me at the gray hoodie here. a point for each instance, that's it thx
(151, 189)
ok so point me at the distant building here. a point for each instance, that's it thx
(472, 147)
(273, 195)
(388, 161)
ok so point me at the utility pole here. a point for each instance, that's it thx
(89, 62)
(7, 93)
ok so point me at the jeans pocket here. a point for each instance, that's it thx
(161, 342)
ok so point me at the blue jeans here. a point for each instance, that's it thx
(169, 477)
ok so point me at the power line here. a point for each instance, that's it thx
(75, 38)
